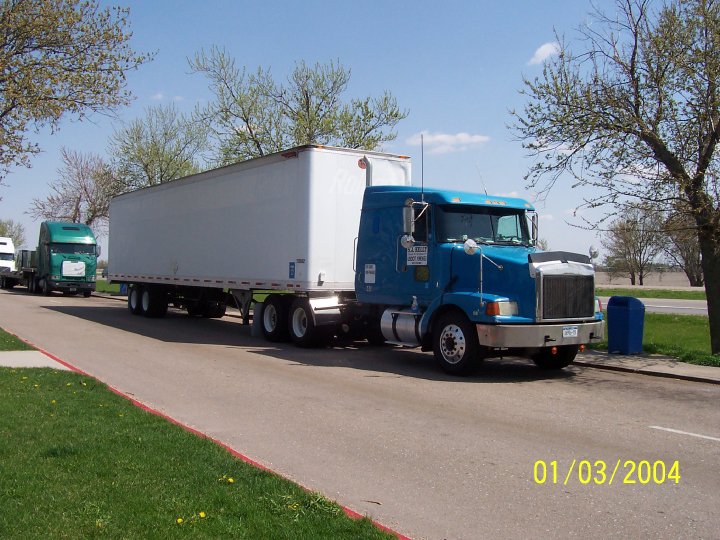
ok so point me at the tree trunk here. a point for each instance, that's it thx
(632, 278)
(711, 270)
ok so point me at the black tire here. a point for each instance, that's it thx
(544, 359)
(213, 310)
(301, 325)
(46, 289)
(455, 344)
(374, 334)
(153, 302)
(134, 297)
(87, 294)
(275, 318)
(32, 285)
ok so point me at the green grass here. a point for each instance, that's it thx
(102, 286)
(685, 337)
(81, 462)
(8, 342)
(698, 294)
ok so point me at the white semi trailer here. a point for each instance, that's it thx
(283, 222)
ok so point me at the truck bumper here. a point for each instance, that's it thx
(72, 286)
(540, 335)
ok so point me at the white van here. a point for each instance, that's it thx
(7, 254)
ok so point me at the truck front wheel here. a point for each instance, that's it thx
(545, 359)
(275, 318)
(46, 288)
(455, 344)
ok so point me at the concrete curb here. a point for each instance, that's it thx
(658, 366)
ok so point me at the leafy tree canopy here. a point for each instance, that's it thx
(254, 115)
(58, 58)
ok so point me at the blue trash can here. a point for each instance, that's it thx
(626, 318)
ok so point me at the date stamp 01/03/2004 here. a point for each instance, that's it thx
(600, 472)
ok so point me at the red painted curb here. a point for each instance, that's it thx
(348, 511)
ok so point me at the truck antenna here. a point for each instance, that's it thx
(482, 182)
(422, 168)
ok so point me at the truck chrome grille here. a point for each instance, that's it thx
(568, 297)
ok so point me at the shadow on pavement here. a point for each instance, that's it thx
(178, 327)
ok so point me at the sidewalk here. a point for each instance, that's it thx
(28, 359)
(657, 365)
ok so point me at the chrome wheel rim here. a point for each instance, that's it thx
(452, 344)
(299, 322)
(270, 318)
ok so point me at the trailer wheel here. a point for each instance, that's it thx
(455, 344)
(544, 359)
(153, 302)
(301, 324)
(134, 305)
(275, 318)
(31, 285)
(46, 289)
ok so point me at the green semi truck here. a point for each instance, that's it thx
(65, 260)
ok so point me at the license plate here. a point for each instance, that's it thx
(73, 289)
(570, 331)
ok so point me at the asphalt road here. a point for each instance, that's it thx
(385, 433)
(665, 305)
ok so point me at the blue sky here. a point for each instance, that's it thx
(456, 66)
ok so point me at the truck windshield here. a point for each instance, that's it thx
(73, 249)
(488, 225)
(6, 257)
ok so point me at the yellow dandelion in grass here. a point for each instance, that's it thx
(24, 378)
(179, 520)
(202, 515)
(53, 402)
(69, 384)
(231, 480)
(36, 385)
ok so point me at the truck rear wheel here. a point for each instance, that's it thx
(455, 344)
(46, 289)
(301, 324)
(134, 299)
(153, 302)
(275, 318)
(545, 359)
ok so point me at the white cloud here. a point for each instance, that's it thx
(445, 143)
(545, 51)
(159, 96)
(547, 217)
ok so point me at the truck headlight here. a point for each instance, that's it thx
(501, 309)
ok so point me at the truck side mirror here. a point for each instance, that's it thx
(408, 218)
(470, 246)
(407, 241)
(535, 228)
(98, 250)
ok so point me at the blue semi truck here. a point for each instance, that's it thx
(341, 245)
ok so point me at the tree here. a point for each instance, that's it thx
(633, 243)
(163, 146)
(82, 192)
(636, 115)
(254, 115)
(10, 229)
(682, 247)
(58, 58)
